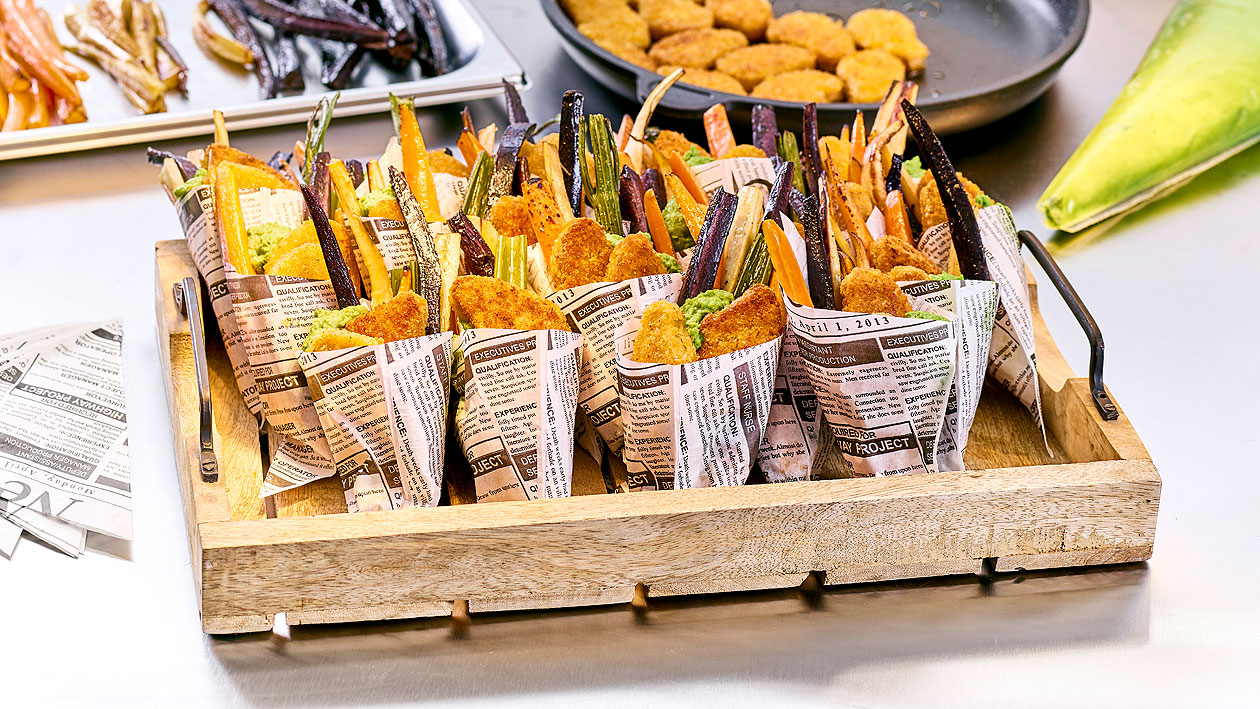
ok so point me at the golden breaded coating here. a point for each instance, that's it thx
(930, 210)
(804, 86)
(629, 52)
(493, 302)
(305, 261)
(671, 142)
(579, 255)
(907, 273)
(304, 234)
(665, 17)
(814, 31)
(866, 290)
(594, 10)
(403, 316)
(387, 208)
(663, 336)
(696, 49)
(510, 217)
(892, 252)
(706, 78)
(743, 150)
(339, 339)
(862, 199)
(868, 74)
(755, 317)
(747, 16)
(444, 162)
(633, 257)
(620, 27)
(752, 64)
(891, 31)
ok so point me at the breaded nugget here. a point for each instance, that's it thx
(387, 208)
(493, 302)
(804, 86)
(510, 217)
(338, 339)
(663, 336)
(629, 52)
(752, 64)
(594, 10)
(630, 28)
(743, 150)
(706, 78)
(747, 16)
(907, 273)
(403, 316)
(891, 31)
(304, 234)
(444, 162)
(892, 252)
(755, 317)
(633, 257)
(815, 31)
(862, 199)
(579, 255)
(930, 210)
(868, 74)
(696, 49)
(866, 290)
(305, 261)
(665, 17)
(671, 142)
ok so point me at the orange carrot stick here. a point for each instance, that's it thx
(717, 130)
(416, 167)
(656, 224)
(858, 148)
(896, 218)
(786, 267)
(623, 135)
(692, 212)
(688, 178)
(468, 147)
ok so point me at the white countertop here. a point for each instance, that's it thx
(1168, 287)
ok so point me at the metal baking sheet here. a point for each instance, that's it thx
(989, 59)
(482, 59)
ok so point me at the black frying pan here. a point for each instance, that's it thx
(989, 58)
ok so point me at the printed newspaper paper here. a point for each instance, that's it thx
(1012, 353)
(383, 409)
(787, 448)
(63, 434)
(697, 424)
(274, 314)
(596, 311)
(882, 382)
(196, 216)
(519, 411)
(733, 173)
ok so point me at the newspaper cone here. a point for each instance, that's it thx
(596, 311)
(882, 383)
(196, 216)
(274, 314)
(383, 409)
(520, 408)
(1012, 352)
(697, 424)
(733, 173)
(971, 306)
(787, 449)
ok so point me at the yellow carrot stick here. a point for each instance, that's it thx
(416, 166)
(230, 221)
(378, 275)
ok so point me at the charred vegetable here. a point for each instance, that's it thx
(337, 271)
(570, 146)
(478, 258)
(427, 277)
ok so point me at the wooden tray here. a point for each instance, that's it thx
(1094, 502)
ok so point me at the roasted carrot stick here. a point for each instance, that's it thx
(896, 218)
(416, 168)
(786, 268)
(623, 135)
(230, 221)
(692, 212)
(656, 224)
(683, 172)
(858, 143)
(378, 275)
(469, 147)
(717, 130)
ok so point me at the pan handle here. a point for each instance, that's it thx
(1106, 407)
(680, 97)
(187, 295)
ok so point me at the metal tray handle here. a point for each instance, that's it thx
(1106, 407)
(188, 299)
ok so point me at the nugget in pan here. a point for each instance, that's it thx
(755, 317)
(696, 49)
(618, 27)
(595, 10)
(747, 16)
(814, 31)
(751, 65)
(493, 302)
(663, 336)
(624, 50)
(866, 290)
(579, 255)
(891, 31)
(868, 74)
(403, 316)
(890, 253)
(665, 17)
(633, 257)
(705, 78)
(804, 86)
